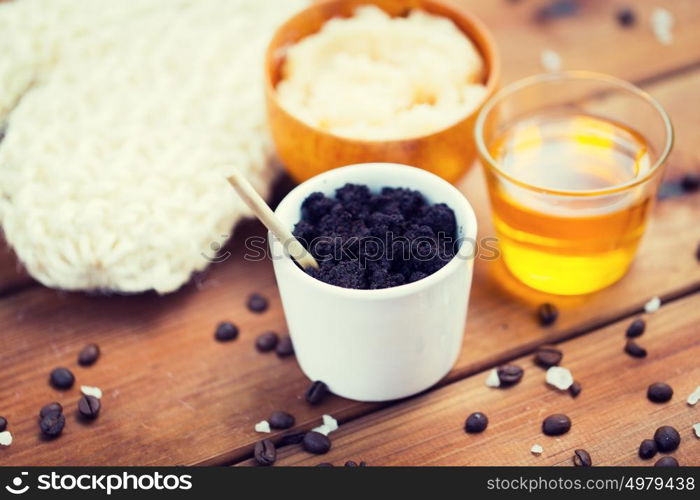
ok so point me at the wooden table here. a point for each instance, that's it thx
(173, 395)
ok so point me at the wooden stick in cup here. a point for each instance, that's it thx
(263, 212)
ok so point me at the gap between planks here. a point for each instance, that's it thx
(487, 365)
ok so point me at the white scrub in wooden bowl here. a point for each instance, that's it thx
(374, 77)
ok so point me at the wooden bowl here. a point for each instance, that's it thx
(307, 151)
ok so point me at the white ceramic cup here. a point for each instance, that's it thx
(378, 345)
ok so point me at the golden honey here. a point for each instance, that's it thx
(567, 213)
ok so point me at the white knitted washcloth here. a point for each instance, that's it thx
(122, 119)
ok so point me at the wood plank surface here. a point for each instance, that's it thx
(610, 417)
(175, 396)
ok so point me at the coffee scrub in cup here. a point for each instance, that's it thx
(389, 325)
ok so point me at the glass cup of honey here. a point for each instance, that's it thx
(572, 163)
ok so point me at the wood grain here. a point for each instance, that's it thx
(611, 416)
(175, 396)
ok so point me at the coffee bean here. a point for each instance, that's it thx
(509, 374)
(265, 452)
(316, 443)
(363, 464)
(316, 392)
(690, 182)
(547, 314)
(226, 331)
(647, 449)
(266, 342)
(659, 392)
(281, 420)
(257, 303)
(285, 347)
(476, 422)
(51, 409)
(62, 378)
(3, 424)
(293, 438)
(88, 355)
(636, 328)
(666, 462)
(556, 425)
(89, 407)
(626, 17)
(582, 458)
(52, 424)
(575, 389)
(351, 463)
(667, 438)
(325, 464)
(547, 356)
(635, 350)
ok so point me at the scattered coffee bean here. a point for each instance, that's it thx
(556, 425)
(690, 182)
(636, 328)
(547, 356)
(293, 438)
(88, 355)
(62, 378)
(351, 463)
(52, 424)
(626, 17)
(666, 462)
(659, 392)
(575, 389)
(285, 347)
(647, 449)
(3, 424)
(50, 409)
(667, 439)
(547, 314)
(476, 422)
(325, 464)
(363, 464)
(582, 458)
(89, 407)
(316, 443)
(316, 392)
(635, 350)
(556, 9)
(226, 331)
(265, 452)
(281, 420)
(266, 342)
(257, 303)
(509, 374)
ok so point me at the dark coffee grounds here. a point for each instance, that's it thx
(368, 241)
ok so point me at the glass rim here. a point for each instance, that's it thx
(530, 81)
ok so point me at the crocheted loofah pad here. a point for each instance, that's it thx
(121, 122)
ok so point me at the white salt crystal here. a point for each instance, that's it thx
(91, 391)
(559, 377)
(696, 428)
(694, 396)
(262, 426)
(551, 61)
(330, 422)
(323, 429)
(536, 449)
(653, 305)
(662, 25)
(492, 379)
(5, 438)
